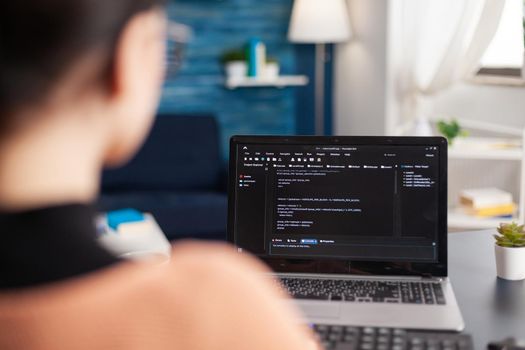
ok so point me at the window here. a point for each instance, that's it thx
(504, 56)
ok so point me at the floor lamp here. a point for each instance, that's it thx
(319, 22)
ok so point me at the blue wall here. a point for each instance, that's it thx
(199, 87)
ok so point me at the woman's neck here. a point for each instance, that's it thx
(51, 160)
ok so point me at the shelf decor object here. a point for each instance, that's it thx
(272, 68)
(234, 62)
(237, 67)
(319, 22)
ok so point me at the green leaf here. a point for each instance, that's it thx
(511, 235)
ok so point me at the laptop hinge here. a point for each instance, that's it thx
(430, 277)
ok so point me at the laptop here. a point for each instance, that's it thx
(355, 228)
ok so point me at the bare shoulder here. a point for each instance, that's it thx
(227, 298)
(207, 297)
(206, 268)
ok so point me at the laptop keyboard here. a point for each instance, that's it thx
(365, 291)
(368, 338)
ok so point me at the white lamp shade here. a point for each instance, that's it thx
(319, 21)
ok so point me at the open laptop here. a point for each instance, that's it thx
(354, 227)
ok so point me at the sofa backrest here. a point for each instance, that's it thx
(181, 153)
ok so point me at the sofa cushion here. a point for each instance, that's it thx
(180, 215)
(181, 153)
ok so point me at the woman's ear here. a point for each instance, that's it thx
(136, 81)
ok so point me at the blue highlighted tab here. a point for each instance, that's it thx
(117, 217)
(309, 241)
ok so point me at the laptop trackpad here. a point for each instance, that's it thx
(320, 310)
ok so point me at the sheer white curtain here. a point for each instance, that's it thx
(440, 44)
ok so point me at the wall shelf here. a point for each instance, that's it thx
(488, 148)
(459, 220)
(279, 82)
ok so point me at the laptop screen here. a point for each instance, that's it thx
(363, 201)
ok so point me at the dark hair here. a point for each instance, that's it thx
(41, 39)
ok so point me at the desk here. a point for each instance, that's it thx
(493, 308)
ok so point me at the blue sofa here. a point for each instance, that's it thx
(178, 176)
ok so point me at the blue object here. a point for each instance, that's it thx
(253, 70)
(309, 241)
(178, 176)
(123, 216)
(191, 214)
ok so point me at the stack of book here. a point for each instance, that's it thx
(487, 202)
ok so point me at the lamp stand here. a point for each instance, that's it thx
(319, 88)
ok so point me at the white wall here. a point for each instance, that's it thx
(360, 71)
(496, 104)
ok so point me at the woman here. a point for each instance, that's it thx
(79, 85)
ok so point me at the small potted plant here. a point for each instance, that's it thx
(271, 71)
(234, 62)
(451, 130)
(510, 251)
